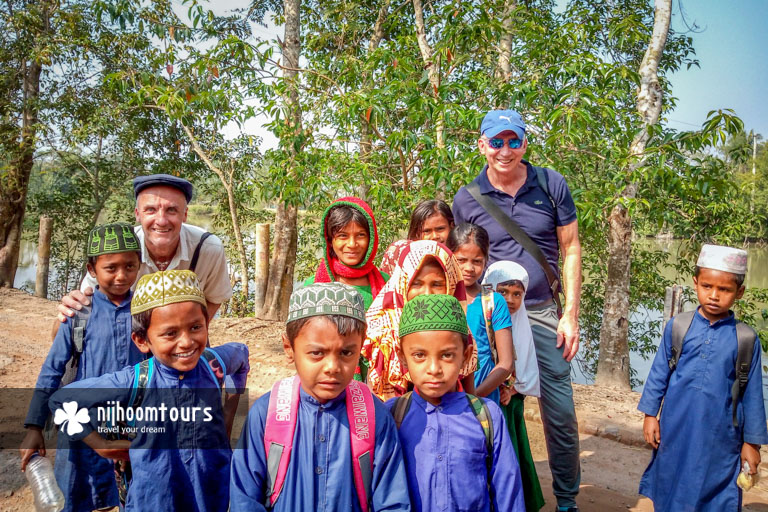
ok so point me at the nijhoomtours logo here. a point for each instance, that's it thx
(115, 418)
(70, 417)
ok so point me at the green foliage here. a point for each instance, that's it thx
(371, 120)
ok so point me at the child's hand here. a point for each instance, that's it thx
(505, 395)
(114, 450)
(651, 432)
(33, 442)
(751, 453)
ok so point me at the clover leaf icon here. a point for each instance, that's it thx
(71, 417)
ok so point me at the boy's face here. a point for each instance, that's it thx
(513, 294)
(350, 244)
(429, 280)
(716, 291)
(115, 273)
(434, 360)
(324, 359)
(177, 335)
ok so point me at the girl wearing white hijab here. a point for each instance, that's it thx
(526, 367)
(511, 281)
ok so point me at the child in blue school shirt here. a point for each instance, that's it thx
(180, 459)
(323, 338)
(446, 433)
(698, 450)
(114, 256)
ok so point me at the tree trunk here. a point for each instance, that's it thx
(504, 69)
(613, 362)
(281, 267)
(14, 184)
(366, 146)
(432, 71)
(283, 262)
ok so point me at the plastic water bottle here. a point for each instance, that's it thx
(48, 496)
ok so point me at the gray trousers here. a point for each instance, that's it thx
(556, 403)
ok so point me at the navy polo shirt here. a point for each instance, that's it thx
(533, 211)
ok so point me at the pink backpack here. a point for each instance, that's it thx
(281, 425)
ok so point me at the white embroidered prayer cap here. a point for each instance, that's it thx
(720, 257)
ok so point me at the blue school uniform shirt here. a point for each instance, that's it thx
(500, 319)
(320, 475)
(168, 478)
(86, 479)
(445, 457)
(699, 456)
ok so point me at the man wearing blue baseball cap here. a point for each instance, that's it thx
(168, 243)
(530, 217)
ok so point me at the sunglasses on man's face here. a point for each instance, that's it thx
(497, 143)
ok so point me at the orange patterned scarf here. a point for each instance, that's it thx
(386, 376)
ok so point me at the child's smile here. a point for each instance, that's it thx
(177, 335)
(350, 244)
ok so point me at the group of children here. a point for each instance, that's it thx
(410, 385)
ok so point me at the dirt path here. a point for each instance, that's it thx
(610, 470)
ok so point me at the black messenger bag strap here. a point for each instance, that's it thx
(196, 254)
(520, 236)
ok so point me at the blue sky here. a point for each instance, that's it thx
(732, 48)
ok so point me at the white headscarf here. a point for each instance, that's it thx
(526, 366)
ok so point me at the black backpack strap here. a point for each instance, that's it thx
(141, 379)
(520, 236)
(681, 322)
(400, 409)
(77, 326)
(196, 254)
(541, 176)
(746, 338)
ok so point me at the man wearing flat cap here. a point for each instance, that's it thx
(531, 219)
(167, 243)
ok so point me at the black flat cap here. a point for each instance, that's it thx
(154, 180)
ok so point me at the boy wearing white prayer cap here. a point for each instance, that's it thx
(713, 421)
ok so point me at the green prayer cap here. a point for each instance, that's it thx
(111, 239)
(166, 287)
(321, 299)
(433, 313)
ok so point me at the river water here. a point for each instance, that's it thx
(757, 276)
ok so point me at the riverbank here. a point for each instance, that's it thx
(613, 454)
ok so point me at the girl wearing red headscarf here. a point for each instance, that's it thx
(350, 242)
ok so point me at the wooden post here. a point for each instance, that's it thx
(261, 270)
(673, 301)
(43, 256)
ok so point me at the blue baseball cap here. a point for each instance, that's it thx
(497, 121)
(165, 180)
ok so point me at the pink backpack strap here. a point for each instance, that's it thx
(278, 434)
(362, 430)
